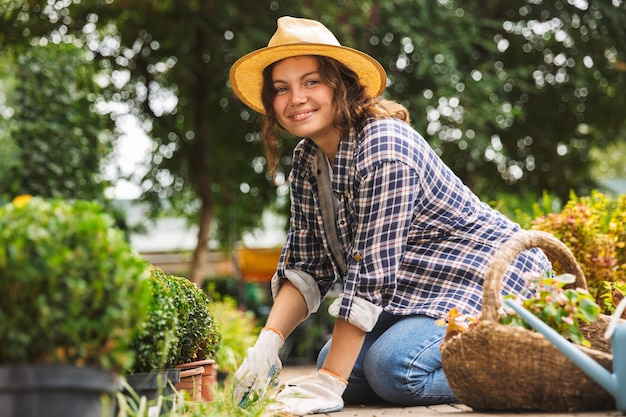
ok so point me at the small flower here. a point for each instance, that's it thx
(21, 200)
(456, 323)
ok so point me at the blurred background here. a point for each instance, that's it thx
(128, 103)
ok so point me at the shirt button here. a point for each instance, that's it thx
(342, 222)
(357, 257)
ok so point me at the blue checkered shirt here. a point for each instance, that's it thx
(414, 238)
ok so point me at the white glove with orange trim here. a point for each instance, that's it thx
(260, 369)
(312, 394)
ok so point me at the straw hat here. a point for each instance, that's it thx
(295, 37)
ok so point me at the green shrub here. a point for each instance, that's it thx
(157, 335)
(594, 229)
(238, 331)
(523, 208)
(198, 337)
(71, 289)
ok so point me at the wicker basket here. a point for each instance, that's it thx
(499, 367)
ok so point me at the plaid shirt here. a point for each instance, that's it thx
(414, 239)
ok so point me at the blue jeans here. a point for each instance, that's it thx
(400, 363)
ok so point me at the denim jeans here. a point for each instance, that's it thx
(400, 363)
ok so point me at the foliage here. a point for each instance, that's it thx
(237, 330)
(174, 56)
(9, 151)
(564, 310)
(71, 289)
(9, 157)
(157, 335)
(222, 405)
(61, 140)
(505, 92)
(609, 161)
(594, 229)
(524, 208)
(197, 334)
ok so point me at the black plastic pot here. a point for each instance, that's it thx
(151, 385)
(57, 391)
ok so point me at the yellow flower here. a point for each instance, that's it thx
(22, 200)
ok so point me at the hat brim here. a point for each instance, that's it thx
(246, 75)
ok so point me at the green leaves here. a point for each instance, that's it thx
(157, 335)
(561, 309)
(60, 138)
(594, 229)
(71, 288)
(196, 333)
(506, 93)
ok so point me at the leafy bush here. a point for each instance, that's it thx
(594, 229)
(71, 289)
(523, 208)
(237, 331)
(157, 335)
(198, 337)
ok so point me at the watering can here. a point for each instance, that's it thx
(614, 383)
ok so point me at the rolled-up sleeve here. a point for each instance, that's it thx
(305, 283)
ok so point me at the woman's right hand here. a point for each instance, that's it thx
(260, 369)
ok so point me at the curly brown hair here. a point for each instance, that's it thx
(350, 100)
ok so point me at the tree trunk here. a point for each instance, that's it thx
(201, 160)
(205, 217)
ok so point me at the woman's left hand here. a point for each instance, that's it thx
(312, 394)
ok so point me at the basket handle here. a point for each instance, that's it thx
(554, 249)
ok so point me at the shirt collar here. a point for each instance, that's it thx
(344, 158)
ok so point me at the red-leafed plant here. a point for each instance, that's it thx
(594, 229)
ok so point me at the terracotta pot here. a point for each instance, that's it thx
(191, 382)
(208, 376)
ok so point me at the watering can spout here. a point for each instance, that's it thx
(614, 383)
(619, 365)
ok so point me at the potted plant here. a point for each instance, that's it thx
(151, 345)
(198, 338)
(71, 294)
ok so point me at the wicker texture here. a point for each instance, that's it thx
(495, 367)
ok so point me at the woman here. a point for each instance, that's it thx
(374, 206)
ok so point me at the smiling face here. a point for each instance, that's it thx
(303, 103)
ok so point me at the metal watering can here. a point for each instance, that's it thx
(614, 383)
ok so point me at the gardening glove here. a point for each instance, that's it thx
(312, 394)
(260, 369)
